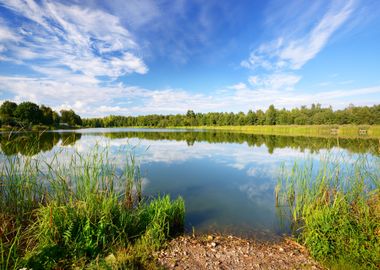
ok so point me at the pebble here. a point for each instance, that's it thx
(234, 253)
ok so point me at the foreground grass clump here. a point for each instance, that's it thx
(335, 211)
(82, 213)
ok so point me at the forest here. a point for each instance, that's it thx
(313, 115)
(28, 114)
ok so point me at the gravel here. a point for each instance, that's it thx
(229, 252)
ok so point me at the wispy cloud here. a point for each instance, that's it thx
(76, 56)
(276, 62)
(86, 97)
(292, 52)
(85, 41)
(299, 52)
(275, 81)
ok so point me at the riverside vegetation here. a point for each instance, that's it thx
(304, 121)
(82, 213)
(86, 213)
(315, 115)
(352, 121)
(28, 115)
(335, 210)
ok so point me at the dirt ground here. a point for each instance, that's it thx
(229, 252)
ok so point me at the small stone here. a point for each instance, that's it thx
(213, 244)
(281, 249)
(210, 238)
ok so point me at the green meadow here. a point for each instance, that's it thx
(354, 131)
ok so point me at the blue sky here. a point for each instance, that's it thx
(139, 57)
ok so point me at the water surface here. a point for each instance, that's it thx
(227, 179)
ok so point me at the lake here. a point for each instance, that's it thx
(226, 179)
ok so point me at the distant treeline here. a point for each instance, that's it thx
(315, 115)
(27, 114)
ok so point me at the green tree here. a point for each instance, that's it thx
(56, 118)
(7, 110)
(190, 118)
(270, 115)
(301, 119)
(283, 117)
(260, 117)
(70, 117)
(251, 118)
(47, 115)
(28, 113)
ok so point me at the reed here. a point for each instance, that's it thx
(76, 212)
(334, 208)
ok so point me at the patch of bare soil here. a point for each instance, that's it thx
(229, 252)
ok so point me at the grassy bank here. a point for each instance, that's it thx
(364, 131)
(80, 213)
(35, 128)
(335, 211)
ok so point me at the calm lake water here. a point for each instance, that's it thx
(227, 179)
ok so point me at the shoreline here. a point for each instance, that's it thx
(318, 131)
(230, 252)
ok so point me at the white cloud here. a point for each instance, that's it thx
(6, 34)
(136, 13)
(297, 42)
(85, 96)
(276, 81)
(69, 47)
(299, 52)
(83, 40)
(295, 51)
(238, 86)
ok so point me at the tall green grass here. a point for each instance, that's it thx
(334, 208)
(80, 211)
